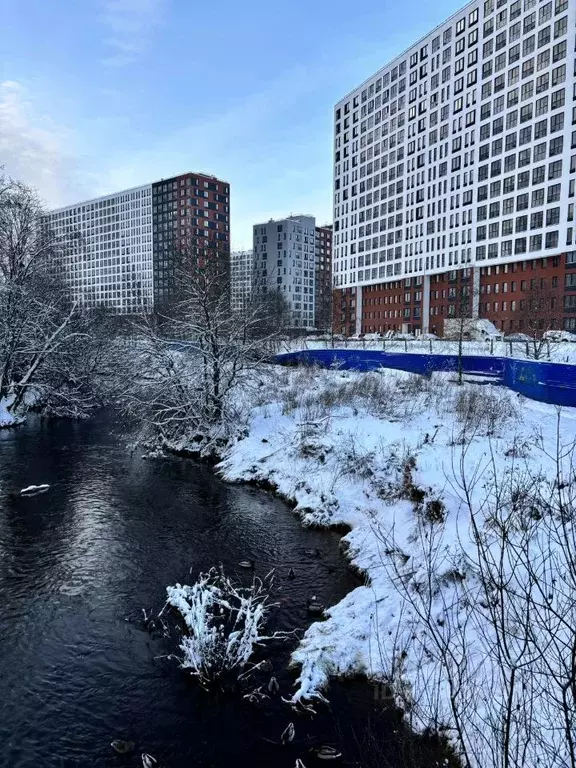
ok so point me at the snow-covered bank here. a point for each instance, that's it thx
(459, 501)
(8, 419)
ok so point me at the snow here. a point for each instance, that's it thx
(6, 418)
(410, 466)
(558, 352)
(32, 490)
(223, 623)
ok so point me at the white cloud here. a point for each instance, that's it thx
(130, 24)
(32, 147)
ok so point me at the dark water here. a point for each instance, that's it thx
(78, 564)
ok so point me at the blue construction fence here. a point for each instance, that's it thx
(553, 383)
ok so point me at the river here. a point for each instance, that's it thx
(78, 564)
(78, 667)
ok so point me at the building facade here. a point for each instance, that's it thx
(323, 278)
(241, 273)
(121, 251)
(460, 156)
(284, 261)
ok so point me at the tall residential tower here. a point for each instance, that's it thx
(121, 250)
(284, 261)
(455, 172)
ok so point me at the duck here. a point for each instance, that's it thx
(122, 747)
(291, 574)
(273, 686)
(288, 734)
(248, 564)
(148, 761)
(327, 753)
(314, 606)
(313, 552)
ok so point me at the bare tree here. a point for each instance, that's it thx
(492, 636)
(42, 336)
(461, 296)
(540, 311)
(189, 360)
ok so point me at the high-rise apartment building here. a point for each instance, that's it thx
(241, 275)
(284, 261)
(323, 276)
(455, 168)
(121, 250)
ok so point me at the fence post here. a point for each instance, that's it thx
(430, 346)
(405, 345)
(491, 346)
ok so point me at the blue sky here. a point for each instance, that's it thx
(99, 95)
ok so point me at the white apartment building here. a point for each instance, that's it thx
(461, 152)
(284, 261)
(106, 250)
(241, 272)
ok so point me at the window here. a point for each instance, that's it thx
(542, 83)
(535, 242)
(559, 75)
(523, 179)
(540, 129)
(512, 98)
(538, 175)
(542, 106)
(537, 198)
(511, 141)
(553, 195)
(512, 119)
(559, 51)
(552, 216)
(526, 113)
(551, 239)
(545, 13)
(555, 169)
(560, 27)
(544, 36)
(557, 122)
(537, 220)
(524, 157)
(516, 10)
(556, 146)
(528, 45)
(558, 99)
(543, 60)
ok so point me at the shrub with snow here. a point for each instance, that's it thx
(222, 624)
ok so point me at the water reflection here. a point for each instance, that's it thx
(77, 565)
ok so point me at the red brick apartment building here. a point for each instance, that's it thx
(528, 296)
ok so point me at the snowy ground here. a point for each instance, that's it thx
(453, 497)
(560, 352)
(7, 419)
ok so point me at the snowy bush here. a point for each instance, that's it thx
(223, 624)
(484, 409)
